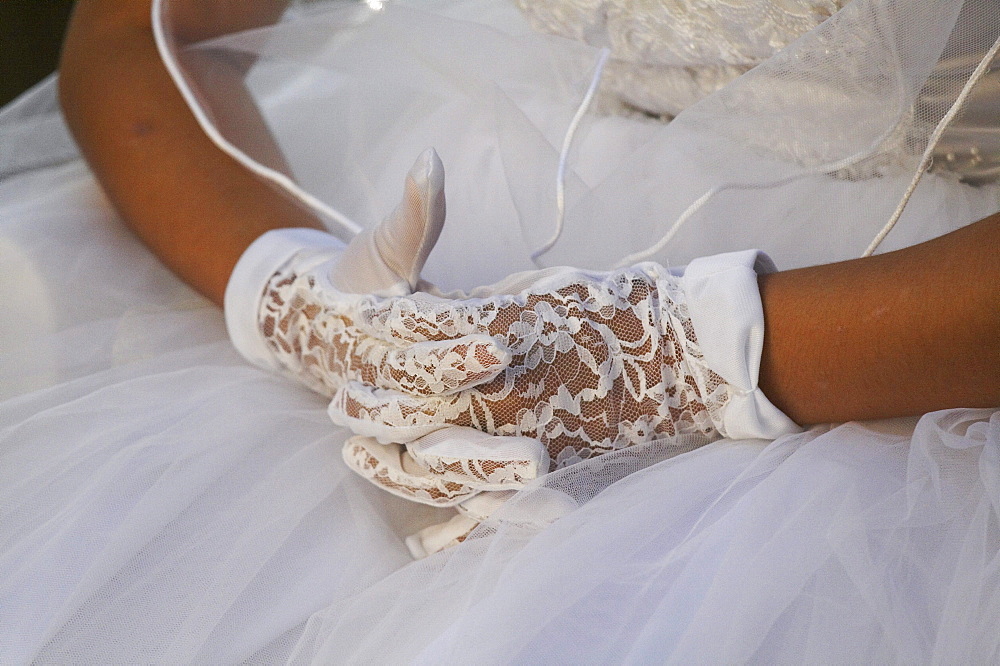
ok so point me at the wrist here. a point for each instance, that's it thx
(248, 281)
(724, 304)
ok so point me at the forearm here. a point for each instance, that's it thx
(898, 334)
(194, 206)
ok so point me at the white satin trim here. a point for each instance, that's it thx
(728, 319)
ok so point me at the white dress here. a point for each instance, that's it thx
(161, 501)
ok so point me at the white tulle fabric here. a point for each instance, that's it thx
(162, 501)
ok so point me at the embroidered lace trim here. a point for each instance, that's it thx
(668, 54)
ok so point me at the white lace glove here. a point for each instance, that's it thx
(561, 364)
(292, 306)
(598, 362)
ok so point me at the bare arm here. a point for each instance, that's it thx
(195, 207)
(898, 334)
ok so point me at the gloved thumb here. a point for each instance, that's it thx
(387, 259)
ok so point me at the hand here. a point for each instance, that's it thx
(309, 325)
(562, 364)
(598, 361)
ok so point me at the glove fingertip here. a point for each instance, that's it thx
(389, 467)
(439, 537)
(385, 415)
(481, 359)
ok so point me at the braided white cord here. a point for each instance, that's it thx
(927, 158)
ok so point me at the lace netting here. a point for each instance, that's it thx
(598, 361)
(320, 345)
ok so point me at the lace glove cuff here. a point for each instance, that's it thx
(723, 301)
(250, 279)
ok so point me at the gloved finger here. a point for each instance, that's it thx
(480, 507)
(480, 460)
(432, 368)
(423, 317)
(451, 467)
(439, 537)
(470, 514)
(333, 350)
(392, 469)
(392, 416)
(387, 259)
(533, 511)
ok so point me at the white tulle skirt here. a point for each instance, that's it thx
(163, 502)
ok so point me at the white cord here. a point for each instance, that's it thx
(347, 227)
(595, 81)
(925, 164)
(925, 161)
(689, 212)
(642, 255)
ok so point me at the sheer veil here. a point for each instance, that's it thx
(821, 141)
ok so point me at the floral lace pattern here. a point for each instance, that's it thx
(317, 341)
(421, 487)
(583, 362)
